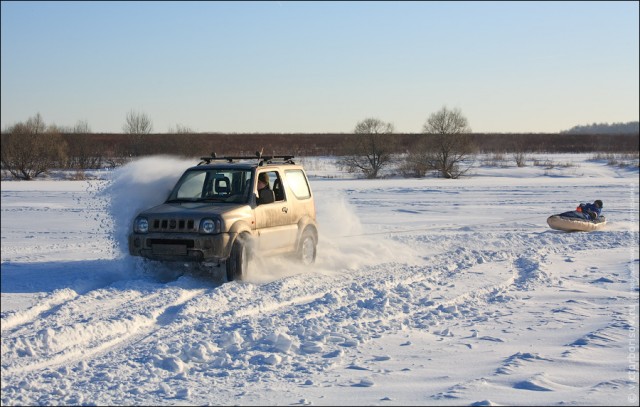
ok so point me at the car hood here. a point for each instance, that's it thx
(192, 209)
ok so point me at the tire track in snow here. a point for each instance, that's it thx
(53, 308)
(69, 338)
(329, 312)
(11, 320)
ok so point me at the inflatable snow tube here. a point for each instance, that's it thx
(572, 224)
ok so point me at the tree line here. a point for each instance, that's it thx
(446, 145)
(606, 128)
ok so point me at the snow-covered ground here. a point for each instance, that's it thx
(425, 292)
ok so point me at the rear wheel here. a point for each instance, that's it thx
(238, 261)
(307, 248)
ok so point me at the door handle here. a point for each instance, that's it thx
(285, 209)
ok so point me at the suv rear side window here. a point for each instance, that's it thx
(298, 183)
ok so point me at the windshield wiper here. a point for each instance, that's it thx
(212, 199)
(179, 200)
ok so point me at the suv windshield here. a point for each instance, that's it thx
(212, 185)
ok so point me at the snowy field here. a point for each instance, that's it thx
(425, 292)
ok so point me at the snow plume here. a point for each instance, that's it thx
(344, 244)
(137, 186)
(335, 219)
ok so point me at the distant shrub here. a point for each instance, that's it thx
(31, 148)
(622, 160)
(520, 158)
(79, 175)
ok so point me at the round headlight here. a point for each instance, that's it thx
(141, 225)
(210, 226)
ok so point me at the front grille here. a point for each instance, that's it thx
(188, 243)
(173, 225)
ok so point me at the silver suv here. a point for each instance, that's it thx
(215, 215)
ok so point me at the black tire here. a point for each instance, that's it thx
(306, 253)
(238, 261)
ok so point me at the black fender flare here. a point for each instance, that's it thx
(235, 231)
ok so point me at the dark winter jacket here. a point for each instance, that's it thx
(589, 210)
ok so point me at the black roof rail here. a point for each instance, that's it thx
(262, 159)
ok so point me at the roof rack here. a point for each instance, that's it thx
(262, 159)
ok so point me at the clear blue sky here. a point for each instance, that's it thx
(320, 66)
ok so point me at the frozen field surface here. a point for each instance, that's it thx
(425, 292)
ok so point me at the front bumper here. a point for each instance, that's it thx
(184, 247)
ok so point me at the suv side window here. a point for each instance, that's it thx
(275, 184)
(298, 183)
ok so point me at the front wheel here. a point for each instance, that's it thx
(307, 248)
(238, 261)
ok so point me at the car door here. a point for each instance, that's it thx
(274, 227)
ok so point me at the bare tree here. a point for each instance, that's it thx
(82, 127)
(180, 129)
(30, 149)
(84, 152)
(446, 145)
(520, 158)
(519, 152)
(370, 148)
(136, 126)
(137, 123)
